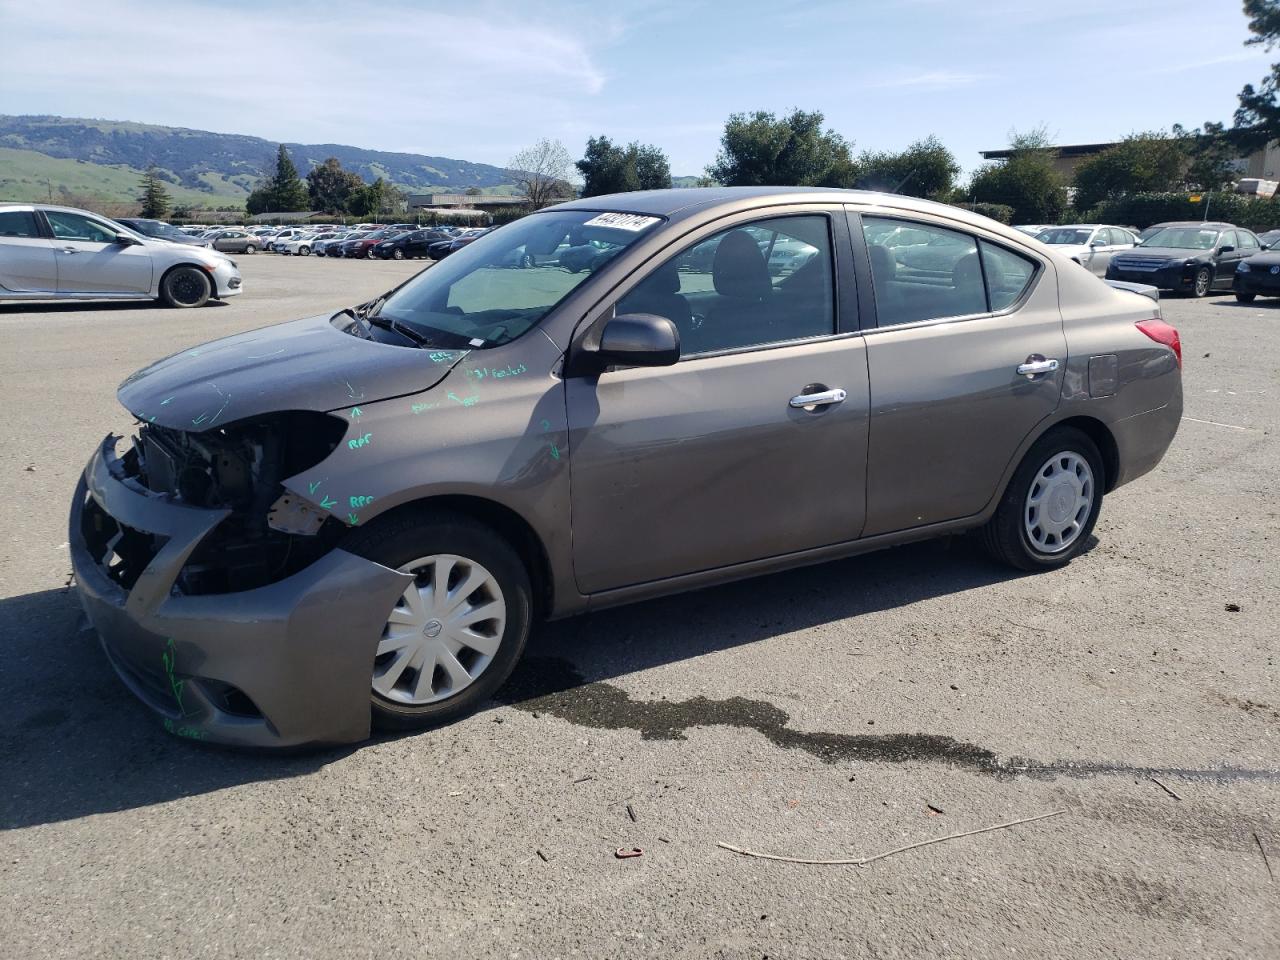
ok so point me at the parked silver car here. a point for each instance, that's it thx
(358, 516)
(56, 253)
(1092, 245)
(235, 241)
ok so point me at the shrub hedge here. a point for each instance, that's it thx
(1143, 209)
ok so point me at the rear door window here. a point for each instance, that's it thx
(1007, 274)
(925, 273)
(18, 223)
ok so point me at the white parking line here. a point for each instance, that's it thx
(1215, 423)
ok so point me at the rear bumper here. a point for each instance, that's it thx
(1143, 440)
(282, 665)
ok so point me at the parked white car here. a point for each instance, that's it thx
(1092, 245)
(61, 253)
(299, 245)
(283, 236)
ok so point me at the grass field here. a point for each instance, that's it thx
(26, 175)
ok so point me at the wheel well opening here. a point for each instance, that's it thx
(1097, 431)
(511, 527)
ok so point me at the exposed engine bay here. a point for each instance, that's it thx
(240, 467)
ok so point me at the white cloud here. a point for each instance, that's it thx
(402, 76)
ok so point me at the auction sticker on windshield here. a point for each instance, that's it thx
(622, 221)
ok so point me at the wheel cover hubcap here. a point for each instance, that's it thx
(443, 632)
(1059, 502)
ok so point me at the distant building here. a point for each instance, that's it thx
(462, 201)
(1261, 164)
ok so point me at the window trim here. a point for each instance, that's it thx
(844, 300)
(863, 256)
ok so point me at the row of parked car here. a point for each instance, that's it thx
(399, 241)
(1186, 256)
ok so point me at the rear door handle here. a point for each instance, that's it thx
(1036, 365)
(819, 399)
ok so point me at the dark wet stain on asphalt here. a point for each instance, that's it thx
(551, 686)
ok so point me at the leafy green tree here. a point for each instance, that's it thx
(1257, 120)
(1140, 162)
(1212, 156)
(377, 199)
(925, 169)
(760, 149)
(329, 186)
(1026, 181)
(155, 198)
(609, 168)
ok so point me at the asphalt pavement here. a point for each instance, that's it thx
(837, 712)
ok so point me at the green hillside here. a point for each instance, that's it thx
(36, 177)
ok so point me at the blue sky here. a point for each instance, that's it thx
(480, 80)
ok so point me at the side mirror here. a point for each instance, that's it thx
(639, 340)
(125, 240)
(1227, 249)
(1098, 243)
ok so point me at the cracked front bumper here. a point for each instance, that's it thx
(281, 665)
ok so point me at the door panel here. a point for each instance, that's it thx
(948, 409)
(90, 261)
(705, 464)
(27, 265)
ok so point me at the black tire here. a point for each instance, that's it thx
(304, 251)
(1202, 285)
(250, 248)
(186, 287)
(1246, 297)
(398, 253)
(408, 535)
(1005, 538)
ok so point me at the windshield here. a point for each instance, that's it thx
(502, 284)
(1068, 236)
(1183, 238)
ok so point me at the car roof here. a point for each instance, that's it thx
(678, 203)
(1215, 224)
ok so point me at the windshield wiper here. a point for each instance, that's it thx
(396, 326)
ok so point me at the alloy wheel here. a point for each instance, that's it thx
(1059, 502)
(443, 632)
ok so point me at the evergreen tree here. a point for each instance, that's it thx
(329, 187)
(761, 149)
(155, 198)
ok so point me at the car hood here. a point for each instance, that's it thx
(1267, 259)
(1173, 253)
(306, 364)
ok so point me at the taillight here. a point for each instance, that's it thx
(1161, 332)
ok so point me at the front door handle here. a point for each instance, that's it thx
(1035, 365)
(822, 399)
(69, 250)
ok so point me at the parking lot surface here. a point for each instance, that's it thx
(835, 712)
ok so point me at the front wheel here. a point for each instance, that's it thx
(304, 251)
(250, 248)
(186, 287)
(1051, 505)
(1203, 283)
(398, 253)
(458, 630)
(1246, 297)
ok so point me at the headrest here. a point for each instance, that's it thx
(739, 269)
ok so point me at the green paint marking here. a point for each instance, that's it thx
(327, 504)
(359, 442)
(151, 419)
(465, 401)
(169, 657)
(356, 412)
(357, 502)
(202, 417)
(546, 424)
(312, 487)
(352, 519)
(555, 452)
(164, 403)
(190, 733)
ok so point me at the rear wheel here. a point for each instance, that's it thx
(1051, 505)
(250, 248)
(186, 287)
(1203, 282)
(459, 628)
(1246, 297)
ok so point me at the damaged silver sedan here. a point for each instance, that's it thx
(355, 519)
